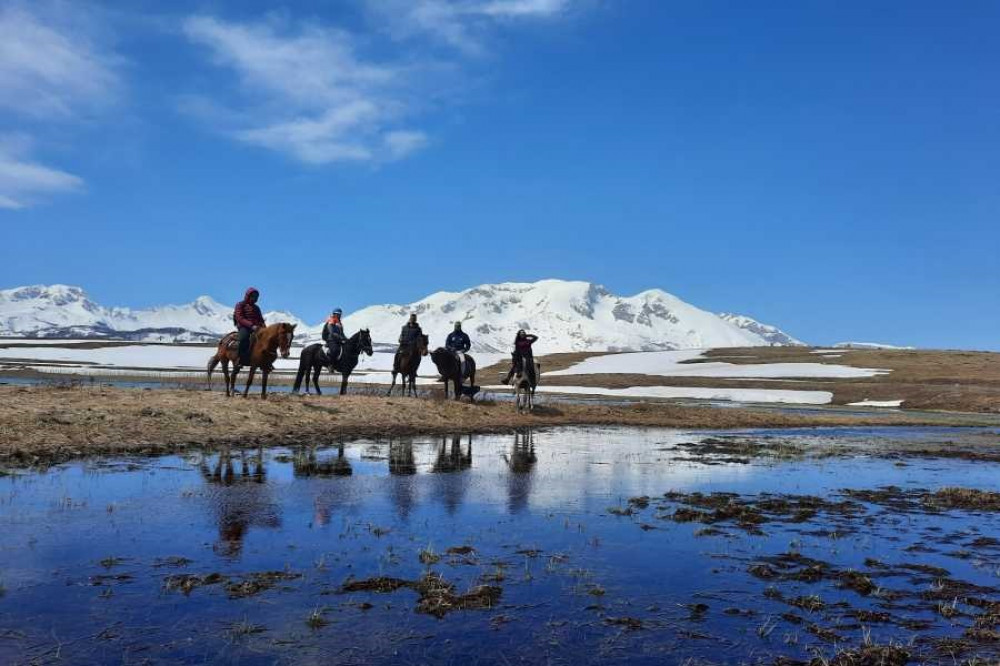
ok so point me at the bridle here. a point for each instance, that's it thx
(285, 341)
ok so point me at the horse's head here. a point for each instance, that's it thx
(285, 334)
(422, 342)
(439, 356)
(365, 341)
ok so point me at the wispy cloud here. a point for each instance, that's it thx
(50, 67)
(23, 182)
(304, 91)
(53, 71)
(461, 24)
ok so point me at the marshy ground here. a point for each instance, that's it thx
(834, 545)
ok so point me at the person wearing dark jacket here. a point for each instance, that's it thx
(410, 332)
(458, 343)
(333, 336)
(248, 320)
(458, 340)
(522, 354)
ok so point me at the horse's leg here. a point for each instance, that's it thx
(458, 387)
(246, 391)
(263, 383)
(225, 373)
(393, 384)
(343, 382)
(316, 372)
(232, 378)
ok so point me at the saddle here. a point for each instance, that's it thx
(231, 340)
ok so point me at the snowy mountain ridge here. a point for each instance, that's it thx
(566, 315)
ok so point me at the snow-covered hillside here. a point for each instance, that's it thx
(772, 334)
(567, 316)
(60, 311)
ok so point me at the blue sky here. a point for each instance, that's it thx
(831, 168)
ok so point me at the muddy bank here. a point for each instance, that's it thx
(54, 423)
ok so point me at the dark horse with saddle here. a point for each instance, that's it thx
(314, 358)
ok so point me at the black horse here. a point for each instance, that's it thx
(406, 363)
(314, 359)
(448, 365)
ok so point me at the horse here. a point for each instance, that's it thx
(524, 386)
(406, 363)
(265, 346)
(448, 365)
(314, 358)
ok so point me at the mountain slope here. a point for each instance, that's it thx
(567, 316)
(772, 334)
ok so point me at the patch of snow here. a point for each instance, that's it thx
(671, 364)
(868, 345)
(699, 393)
(876, 403)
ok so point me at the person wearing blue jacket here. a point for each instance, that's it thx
(458, 343)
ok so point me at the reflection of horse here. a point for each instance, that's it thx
(265, 346)
(402, 468)
(406, 362)
(305, 463)
(524, 385)
(450, 483)
(314, 358)
(242, 499)
(453, 460)
(450, 368)
(521, 462)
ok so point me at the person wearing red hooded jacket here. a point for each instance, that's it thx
(248, 319)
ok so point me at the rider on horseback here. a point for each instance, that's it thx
(458, 343)
(333, 336)
(522, 354)
(410, 334)
(248, 320)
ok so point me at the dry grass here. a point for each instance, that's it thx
(961, 381)
(50, 423)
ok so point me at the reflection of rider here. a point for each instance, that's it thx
(248, 319)
(333, 336)
(458, 343)
(522, 353)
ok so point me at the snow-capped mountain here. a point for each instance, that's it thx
(567, 316)
(772, 334)
(60, 311)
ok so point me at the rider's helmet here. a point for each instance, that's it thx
(337, 312)
(521, 333)
(458, 326)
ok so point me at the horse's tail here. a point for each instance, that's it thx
(212, 362)
(305, 363)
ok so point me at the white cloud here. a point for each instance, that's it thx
(461, 24)
(304, 91)
(54, 70)
(23, 182)
(401, 143)
(50, 68)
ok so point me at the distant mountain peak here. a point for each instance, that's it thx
(567, 315)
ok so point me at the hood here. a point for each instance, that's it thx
(249, 291)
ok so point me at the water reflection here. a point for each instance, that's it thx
(452, 458)
(520, 462)
(306, 462)
(239, 499)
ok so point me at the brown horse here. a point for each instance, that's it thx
(266, 344)
(406, 363)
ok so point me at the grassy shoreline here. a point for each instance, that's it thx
(47, 423)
